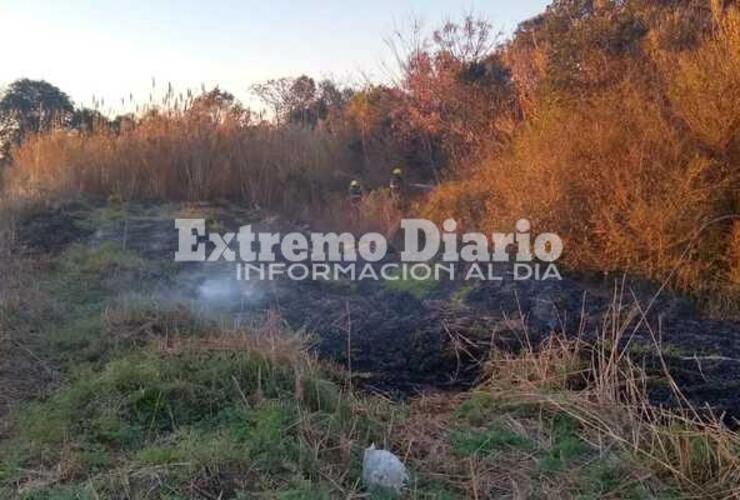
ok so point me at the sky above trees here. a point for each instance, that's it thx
(112, 49)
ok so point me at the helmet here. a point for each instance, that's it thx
(397, 171)
(354, 183)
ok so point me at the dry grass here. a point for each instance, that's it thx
(598, 385)
(607, 394)
(186, 155)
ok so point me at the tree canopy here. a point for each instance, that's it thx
(35, 104)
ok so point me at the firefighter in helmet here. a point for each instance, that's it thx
(397, 187)
(355, 193)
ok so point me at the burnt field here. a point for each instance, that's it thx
(125, 371)
(410, 337)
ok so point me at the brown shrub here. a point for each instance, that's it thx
(636, 176)
(186, 156)
(704, 86)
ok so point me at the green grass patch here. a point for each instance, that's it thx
(471, 442)
(82, 285)
(566, 446)
(477, 409)
(221, 412)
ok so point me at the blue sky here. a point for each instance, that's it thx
(114, 48)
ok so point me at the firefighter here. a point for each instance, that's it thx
(397, 187)
(355, 193)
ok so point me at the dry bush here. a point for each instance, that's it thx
(464, 200)
(704, 86)
(376, 212)
(735, 254)
(624, 182)
(271, 338)
(619, 201)
(185, 156)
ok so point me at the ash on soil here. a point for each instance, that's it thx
(401, 344)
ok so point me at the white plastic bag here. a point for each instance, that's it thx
(381, 468)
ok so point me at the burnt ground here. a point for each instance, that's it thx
(400, 342)
(51, 229)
